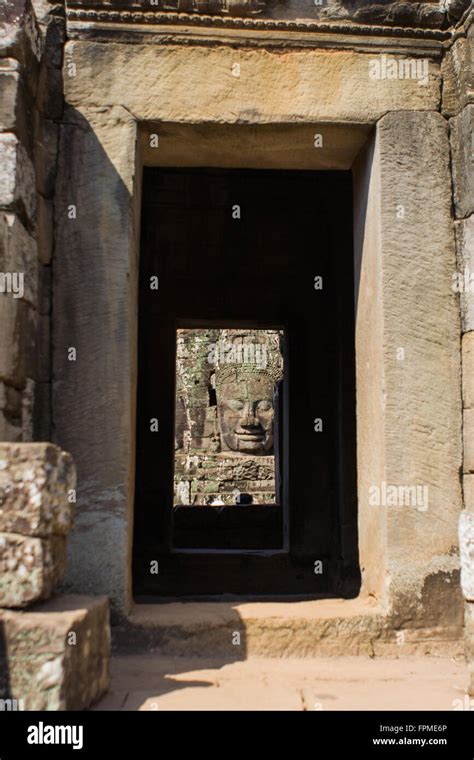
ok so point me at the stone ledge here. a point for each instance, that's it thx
(56, 656)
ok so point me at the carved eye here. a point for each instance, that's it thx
(235, 404)
(264, 406)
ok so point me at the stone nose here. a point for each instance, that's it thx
(248, 416)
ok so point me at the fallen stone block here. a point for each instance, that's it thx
(30, 568)
(36, 485)
(57, 656)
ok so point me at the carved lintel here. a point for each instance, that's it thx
(235, 8)
(230, 14)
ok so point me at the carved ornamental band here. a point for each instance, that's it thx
(209, 7)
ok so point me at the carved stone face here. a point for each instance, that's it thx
(245, 410)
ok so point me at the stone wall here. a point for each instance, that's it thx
(54, 651)
(31, 106)
(239, 91)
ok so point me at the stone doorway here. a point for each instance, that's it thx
(206, 234)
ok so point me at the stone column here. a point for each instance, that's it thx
(94, 340)
(408, 371)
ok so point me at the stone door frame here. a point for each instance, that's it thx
(396, 142)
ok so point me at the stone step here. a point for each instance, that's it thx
(298, 628)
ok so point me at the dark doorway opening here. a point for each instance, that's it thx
(250, 250)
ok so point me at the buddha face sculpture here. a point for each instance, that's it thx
(245, 412)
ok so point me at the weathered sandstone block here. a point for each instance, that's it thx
(10, 93)
(17, 178)
(160, 82)
(35, 482)
(21, 37)
(468, 488)
(468, 368)
(16, 103)
(18, 254)
(29, 568)
(10, 413)
(465, 278)
(18, 322)
(57, 656)
(463, 167)
(47, 136)
(468, 435)
(105, 479)
(458, 75)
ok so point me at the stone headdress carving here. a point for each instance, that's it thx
(247, 353)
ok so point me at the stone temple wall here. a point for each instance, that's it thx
(54, 648)
(31, 106)
(313, 75)
(208, 463)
